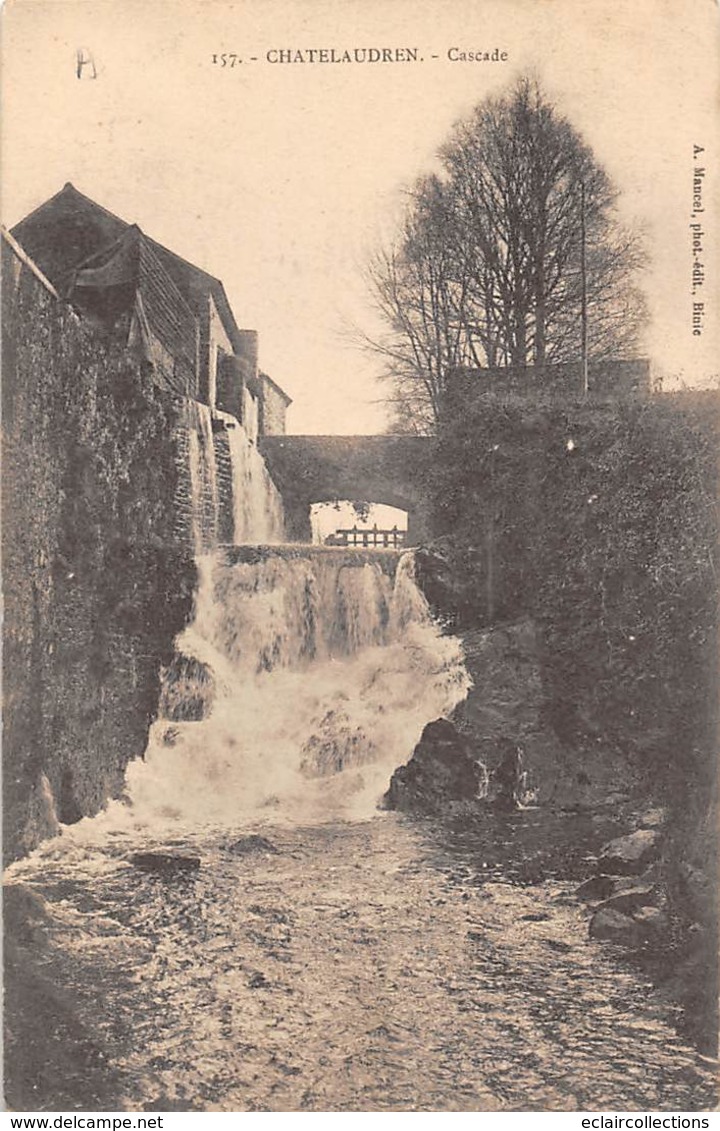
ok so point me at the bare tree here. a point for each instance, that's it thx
(420, 287)
(487, 269)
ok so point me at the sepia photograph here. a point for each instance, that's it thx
(360, 555)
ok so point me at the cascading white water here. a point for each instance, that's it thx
(257, 506)
(326, 665)
(203, 477)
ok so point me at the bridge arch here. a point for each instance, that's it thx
(390, 470)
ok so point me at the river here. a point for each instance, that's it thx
(298, 950)
(359, 967)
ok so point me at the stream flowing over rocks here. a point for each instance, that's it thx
(371, 965)
(245, 931)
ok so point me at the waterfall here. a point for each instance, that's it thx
(226, 491)
(257, 506)
(315, 669)
(203, 476)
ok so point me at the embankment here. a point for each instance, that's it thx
(578, 557)
(96, 582)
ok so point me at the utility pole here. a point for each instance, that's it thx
(583, 297)
(490, 543)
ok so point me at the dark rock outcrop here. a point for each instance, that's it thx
(600, 888)
(188, 690)
(51, 1060)
(629, 893)
(629, 855)
(450, 577)
(507, 786)
(627, 890)
(248, 845)
(644, 925)
(613, 926)
(596, 888)
(166, 864)
(631, 900)
(442, 770)
(507, 704)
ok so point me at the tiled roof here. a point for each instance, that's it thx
(64, 231)
(130, 267)
(70, 228)
(79, 245)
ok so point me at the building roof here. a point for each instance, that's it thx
(69, 229)
(127, 275)
(21, 255)
(280, 392)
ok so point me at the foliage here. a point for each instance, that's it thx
(602, 524)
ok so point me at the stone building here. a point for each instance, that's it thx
(166, 310)
(132, 409)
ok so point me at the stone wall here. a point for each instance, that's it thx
(97, 581)
(608, 379)
(273, 407)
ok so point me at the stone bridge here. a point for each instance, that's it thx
(375, 469)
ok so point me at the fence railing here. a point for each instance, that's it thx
(387, 539)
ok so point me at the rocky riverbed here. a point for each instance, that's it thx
(384, 965)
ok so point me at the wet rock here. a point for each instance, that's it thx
(442, 770)
(613, 926)
(630, 900)
(247, 845)
(597, 887)
(654, 922)
(628, 855)
(652, 819)
(188, 690)
(630, 925)
(508, 781)
(165, 863)
(600, 888)
(25, 912)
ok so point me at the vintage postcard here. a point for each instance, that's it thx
(360, 392)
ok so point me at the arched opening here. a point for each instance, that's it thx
(346, 522)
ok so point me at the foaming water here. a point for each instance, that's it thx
(332, 963)
(316, 671)
(358, 966)
(257, 506)
(325, 667)
(231, 492)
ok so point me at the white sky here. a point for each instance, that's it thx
(279, 179)
(326, 518)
